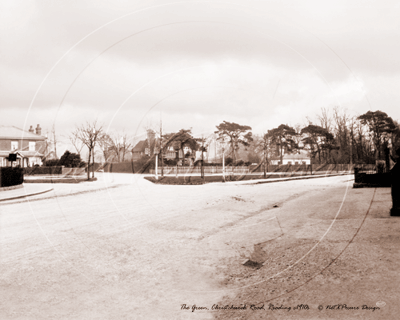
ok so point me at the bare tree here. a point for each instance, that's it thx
(89, 134)
(325, 119)
(105, 143)
(76, 142)
(125, 143)
(342, 133)
(264, 145)
(120, 144)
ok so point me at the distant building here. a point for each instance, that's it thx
(147, 146)
(301, 157)
(29, 146)
(139, 149)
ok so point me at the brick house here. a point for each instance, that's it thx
(29, 146)
(147, 146)
(143, 147)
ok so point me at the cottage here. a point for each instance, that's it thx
(301, 157)
(148, 146)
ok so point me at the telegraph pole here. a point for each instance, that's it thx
(351, 146)
(202, 157)
(223, 163)
(265, 173)
(156, 168)
(161, 149)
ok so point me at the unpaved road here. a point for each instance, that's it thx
(140, 251)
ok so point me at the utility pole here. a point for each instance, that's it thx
(156, 168)
(94, 134)
(351, 145)
(161, 149)
(54, 140)
(202, 157)
(223, 163)
(215, 148)
(265, 173)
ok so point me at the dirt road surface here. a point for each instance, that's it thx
(124, 248)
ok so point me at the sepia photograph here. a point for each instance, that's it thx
(198, 159)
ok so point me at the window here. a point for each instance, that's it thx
(14, 145)
(32, 145)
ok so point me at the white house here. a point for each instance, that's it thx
(301, 157)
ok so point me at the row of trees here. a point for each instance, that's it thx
(114, 147)
(336, 137)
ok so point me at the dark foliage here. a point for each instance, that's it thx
(68, 159)
(71, 160)
(228, 161)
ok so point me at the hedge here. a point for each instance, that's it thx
(43, 170)
(11, 176)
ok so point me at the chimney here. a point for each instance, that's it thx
(31, 130)
(150, 135)
(38, 130)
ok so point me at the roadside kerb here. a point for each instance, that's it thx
(288, 179)
(61, 194)
(26, 195)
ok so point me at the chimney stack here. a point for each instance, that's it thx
(38, 130)
(31, 130)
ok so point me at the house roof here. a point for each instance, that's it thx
(143, 144)
(11, 132)
(140, 146)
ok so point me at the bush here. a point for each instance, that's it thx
(170, 162)
(71, 160)
(52, 163)
(211, 164)
(43, 170)
(240, 163)
(228, 161)
(68, 159)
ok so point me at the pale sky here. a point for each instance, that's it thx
(194, 63)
